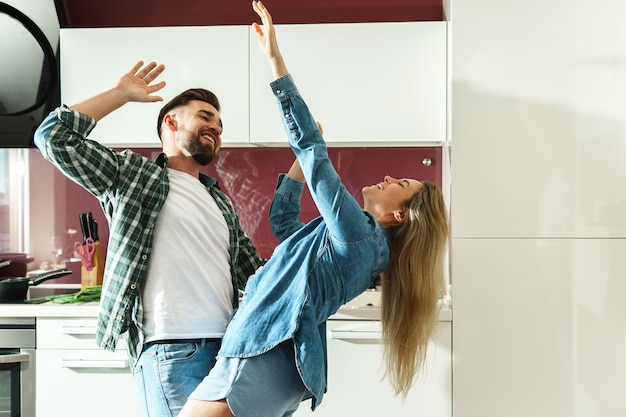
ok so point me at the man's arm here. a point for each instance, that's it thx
(61, 137)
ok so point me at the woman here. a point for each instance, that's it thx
(273, 354)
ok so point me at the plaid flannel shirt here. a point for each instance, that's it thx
(131, 190)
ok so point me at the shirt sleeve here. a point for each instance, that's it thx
(344, 217)
(61, 138)
(245, 259)
(248, 261)
(285, 207)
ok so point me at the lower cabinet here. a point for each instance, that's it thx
(355, 371)
(76, 378)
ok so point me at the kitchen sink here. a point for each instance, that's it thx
(369, 298)
(358, 313)
(364, 307)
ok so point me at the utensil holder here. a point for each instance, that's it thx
(96, 275)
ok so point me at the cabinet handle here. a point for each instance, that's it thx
(360, 340)
(79, 329)
(365, 338)
(95, 363)
(366, 333)
(15, 358)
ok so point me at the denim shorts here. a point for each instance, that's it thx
(166, 373)
(268, 385)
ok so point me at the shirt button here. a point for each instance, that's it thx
(119, 317)
(277, 91)
(133, 286)
(287, 115)
(144, 257)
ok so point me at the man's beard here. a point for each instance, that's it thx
(203, 156)
(200, 152)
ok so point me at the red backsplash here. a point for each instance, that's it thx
(248, 176)
(80, 13)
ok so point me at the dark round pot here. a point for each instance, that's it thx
(17, 267)
(14, 289)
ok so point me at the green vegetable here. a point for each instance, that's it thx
(85, 294)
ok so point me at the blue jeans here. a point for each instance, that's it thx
(166, 373)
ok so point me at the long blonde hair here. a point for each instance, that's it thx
(411, 286)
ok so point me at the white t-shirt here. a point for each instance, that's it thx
(187, 291)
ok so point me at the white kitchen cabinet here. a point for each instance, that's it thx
(75, 377)
(215, 58)
(379, 84)
(355, 369)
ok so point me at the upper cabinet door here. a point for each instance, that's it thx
(377, 84)
(215, 58)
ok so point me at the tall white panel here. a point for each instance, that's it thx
(539, 119)
(539, 327)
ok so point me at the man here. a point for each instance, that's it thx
(176, 253)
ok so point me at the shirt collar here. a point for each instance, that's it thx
(161, 160)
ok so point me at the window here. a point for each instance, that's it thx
(13, 195)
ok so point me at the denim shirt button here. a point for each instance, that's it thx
(277, 91)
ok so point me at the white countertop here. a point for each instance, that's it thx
(373, 313)
(363, 307)
(90, 309)
(50, 309)
(367, 307)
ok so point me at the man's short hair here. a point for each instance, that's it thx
(184, 98)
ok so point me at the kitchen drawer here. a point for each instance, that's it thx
(84, 382)
(69, 333)
(355, 371)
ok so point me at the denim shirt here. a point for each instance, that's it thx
(131, 190)
(317, 267)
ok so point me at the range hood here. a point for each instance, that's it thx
(29, 87)
(17, 131)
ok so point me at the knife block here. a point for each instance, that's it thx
(96, 275)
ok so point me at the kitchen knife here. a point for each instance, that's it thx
(93, 227)
(94, 231)
(84, 226)
(90, 225)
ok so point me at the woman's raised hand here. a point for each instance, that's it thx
(267, 39)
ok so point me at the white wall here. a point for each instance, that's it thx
(539, 208)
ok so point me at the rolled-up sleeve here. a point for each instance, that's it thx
(285, 207)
